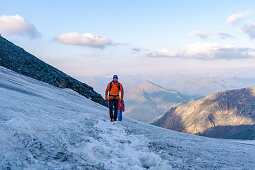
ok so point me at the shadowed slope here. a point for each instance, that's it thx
(20, 61)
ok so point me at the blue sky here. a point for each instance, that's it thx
(142, 37)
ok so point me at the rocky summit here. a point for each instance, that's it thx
(148, 101)
(20, 61)
(226, 114)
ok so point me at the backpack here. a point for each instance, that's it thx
(111, 86)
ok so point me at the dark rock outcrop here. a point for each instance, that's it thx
(20, 61)
(227, 114)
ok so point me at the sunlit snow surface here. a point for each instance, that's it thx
(44, 127)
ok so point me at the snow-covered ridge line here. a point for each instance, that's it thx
(44, 127)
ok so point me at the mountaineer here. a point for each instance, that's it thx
(112, 96)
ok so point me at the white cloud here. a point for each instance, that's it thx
(91, 55)
(199, 50)
(200, 34)
(236, 18)
(162, 53)
(250, 30)
(214, 50)
(205, 34)
(140, 49)
(13, 25)
(206, 51)
(223, 35)
(86, 39)
(251, 53)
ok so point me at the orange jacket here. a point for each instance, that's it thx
(114, 91)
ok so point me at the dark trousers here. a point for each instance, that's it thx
(113, 105)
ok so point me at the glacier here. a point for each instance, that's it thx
(45, 127)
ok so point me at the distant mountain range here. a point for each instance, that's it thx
(20, 61)
(203, 86)
(147, 101)
(226, 114)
